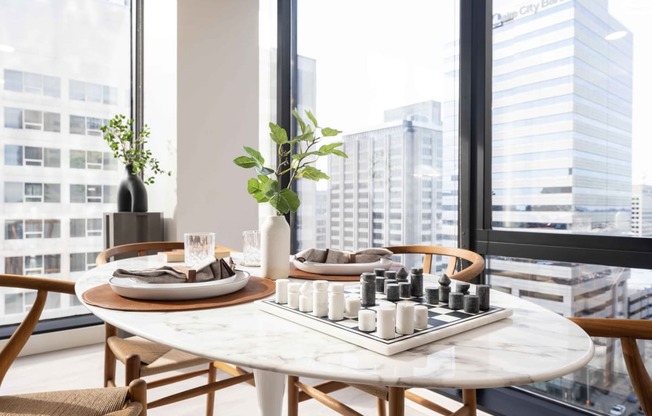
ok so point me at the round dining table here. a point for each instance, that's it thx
(533, 344)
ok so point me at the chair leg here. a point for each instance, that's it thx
(210, 396)
(380, 403)
(396, 401)
(138, 393)
(293, 396)
(109, 357)
(132, 368)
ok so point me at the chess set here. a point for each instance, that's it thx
(442, 320)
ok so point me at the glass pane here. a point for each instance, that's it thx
(13, 229)
(77, 125)
(52, 192)
(77, 90)
(52, 122)
(51, 229)
(45, 90)
(51, 86)
(13, 192)
(52, 158)
(13, 80)
(77, 262)
(77, 193)
(577, 289)
(13, 155)
(569, 125)
(78, 159)
(77, 227)
(393, 93)
(13, 118)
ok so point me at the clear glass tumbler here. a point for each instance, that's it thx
(198, 247)
(251, 248)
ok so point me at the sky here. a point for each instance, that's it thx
(395, 56)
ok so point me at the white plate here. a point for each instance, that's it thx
(341, 268)
(132, 288)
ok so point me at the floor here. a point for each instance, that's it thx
(82, 368)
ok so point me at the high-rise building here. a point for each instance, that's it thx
(57, 175)
(641, 211)
(561, 146)
(387, 192)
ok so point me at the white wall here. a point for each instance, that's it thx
(217, 113)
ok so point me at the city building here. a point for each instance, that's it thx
(387, 192)
(57, 174)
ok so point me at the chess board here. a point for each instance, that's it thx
(442, 322)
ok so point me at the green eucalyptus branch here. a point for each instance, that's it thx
(265, 187)
(131, 151)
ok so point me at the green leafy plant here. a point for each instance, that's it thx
(119, 134)
(265, 187)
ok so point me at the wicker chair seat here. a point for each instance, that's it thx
(90, 402)
(155, 358)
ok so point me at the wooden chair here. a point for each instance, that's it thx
(463, 265)
(628, 330)
(117, 401)
(144, 358)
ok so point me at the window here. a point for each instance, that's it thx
(51, 114)
(19, 229)
(568, 172)
(83, 91)
(416, 108)
(17, 118)
(86, 125)
(85, 227)
(92, 193)
(32, 156)
(558, 169)
(80, 262)
(32, 83)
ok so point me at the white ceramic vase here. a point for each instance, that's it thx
(275, 248)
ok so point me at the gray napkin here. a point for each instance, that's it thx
(218, 269)
(318, 255)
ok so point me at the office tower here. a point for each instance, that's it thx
(60, 85)
(641, 225)
(561, 146)
(388, 190)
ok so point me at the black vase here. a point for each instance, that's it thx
(132, 193)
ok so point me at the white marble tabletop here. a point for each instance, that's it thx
(534, 344)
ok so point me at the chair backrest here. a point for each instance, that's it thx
(19, 338)
(628, 330)
(455, 255)
(140, 249)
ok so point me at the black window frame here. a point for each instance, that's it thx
(475, 210)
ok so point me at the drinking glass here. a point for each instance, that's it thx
(251, 248)
(198, 247)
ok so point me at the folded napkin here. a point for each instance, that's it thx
(213, 270)
(318, 255)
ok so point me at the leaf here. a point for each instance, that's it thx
(278, 134)
(262, 170)
(255, 154)
(340, 154)
(245, 162)
(253, 187)
(285, 201)
(312, 118)
(301, 156)
(306, 137)
(312, 173)
(328, 132)
(302, 124)
(328, 148)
